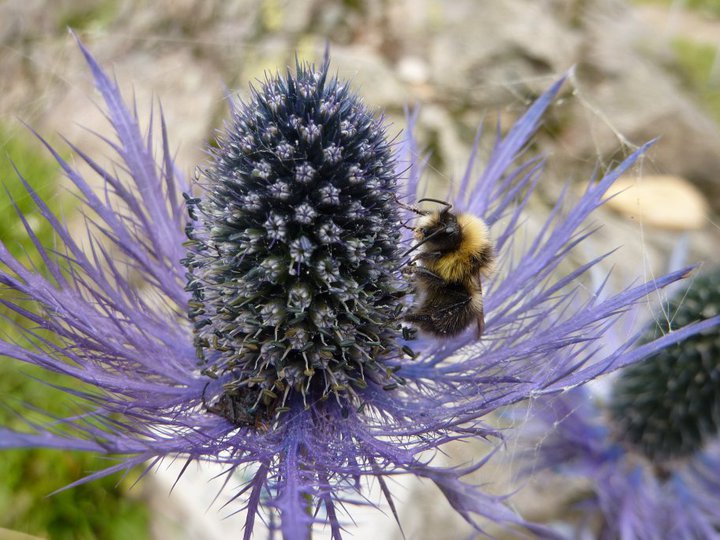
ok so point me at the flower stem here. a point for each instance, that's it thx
(309, 510)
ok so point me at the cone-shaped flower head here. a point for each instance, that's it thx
(275, 347)
(295, 252)
(651, 452)
(669, 405)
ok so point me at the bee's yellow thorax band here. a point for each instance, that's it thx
(457, 265)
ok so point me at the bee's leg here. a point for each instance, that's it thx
(408, 334)
(428, 255)
(430, 282)
(418, 317)
(477, 306)
(428, 277)
(406, 206)
(454, 316)
(444, 315)
(447, 310)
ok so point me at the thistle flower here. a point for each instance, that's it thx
(293, 263)
(651, 452)
(259, 325)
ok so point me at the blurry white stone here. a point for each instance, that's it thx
(189, 92)
(192, 512)
(370, 76)
(670, 202)
(413, 70)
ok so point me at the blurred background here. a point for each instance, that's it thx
(642, 69)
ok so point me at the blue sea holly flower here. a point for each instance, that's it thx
(294, 299)
(648, 456)
(257, 321)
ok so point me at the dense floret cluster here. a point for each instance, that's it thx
(295, 249)
(669, 405)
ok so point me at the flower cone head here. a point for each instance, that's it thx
(294, 252)
(668, 406)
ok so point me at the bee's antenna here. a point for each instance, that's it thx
(408, 207)
(444, 203)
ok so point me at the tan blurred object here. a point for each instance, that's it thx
(668, 202)
(7, 534)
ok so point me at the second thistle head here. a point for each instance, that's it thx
(669, 405)
(294, 249)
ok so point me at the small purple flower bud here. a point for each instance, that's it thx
(305, 214)
(304, 173)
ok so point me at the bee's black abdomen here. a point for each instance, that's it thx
(446, 310)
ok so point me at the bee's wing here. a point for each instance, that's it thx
(480, 324)
(480, 312)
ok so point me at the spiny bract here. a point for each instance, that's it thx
(649, 458)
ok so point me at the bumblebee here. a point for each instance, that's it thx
(455, 251)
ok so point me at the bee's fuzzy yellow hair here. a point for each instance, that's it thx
(456, 266)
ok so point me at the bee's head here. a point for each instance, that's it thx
(439, 231)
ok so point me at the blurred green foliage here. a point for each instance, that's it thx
(84, 14)
(103, 509)
(709, 7)
(698, 62)
(700, 70)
